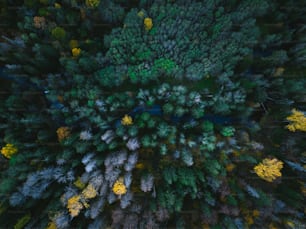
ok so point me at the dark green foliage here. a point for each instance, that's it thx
(180, 113)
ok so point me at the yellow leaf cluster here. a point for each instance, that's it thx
(78, 202)
(57, 5)
(279, 71)
(89, 192)
(298, 121)
(119, 187)
(79, 184)
(39, 22)
(92, 3)
(141, 14)
(127, 120)
(290, 224)
(74, 205)
(22, 222)
(255, 213)
(9, 150)
(250, 215)
(76, 52)
(148, 23)
(249, 220)
(51, 225)
(62, 133)
(230, 167)
(139, 165)
(269, 169)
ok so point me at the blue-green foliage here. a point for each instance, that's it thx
(185, 44)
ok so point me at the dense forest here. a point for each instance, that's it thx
(152, 114)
